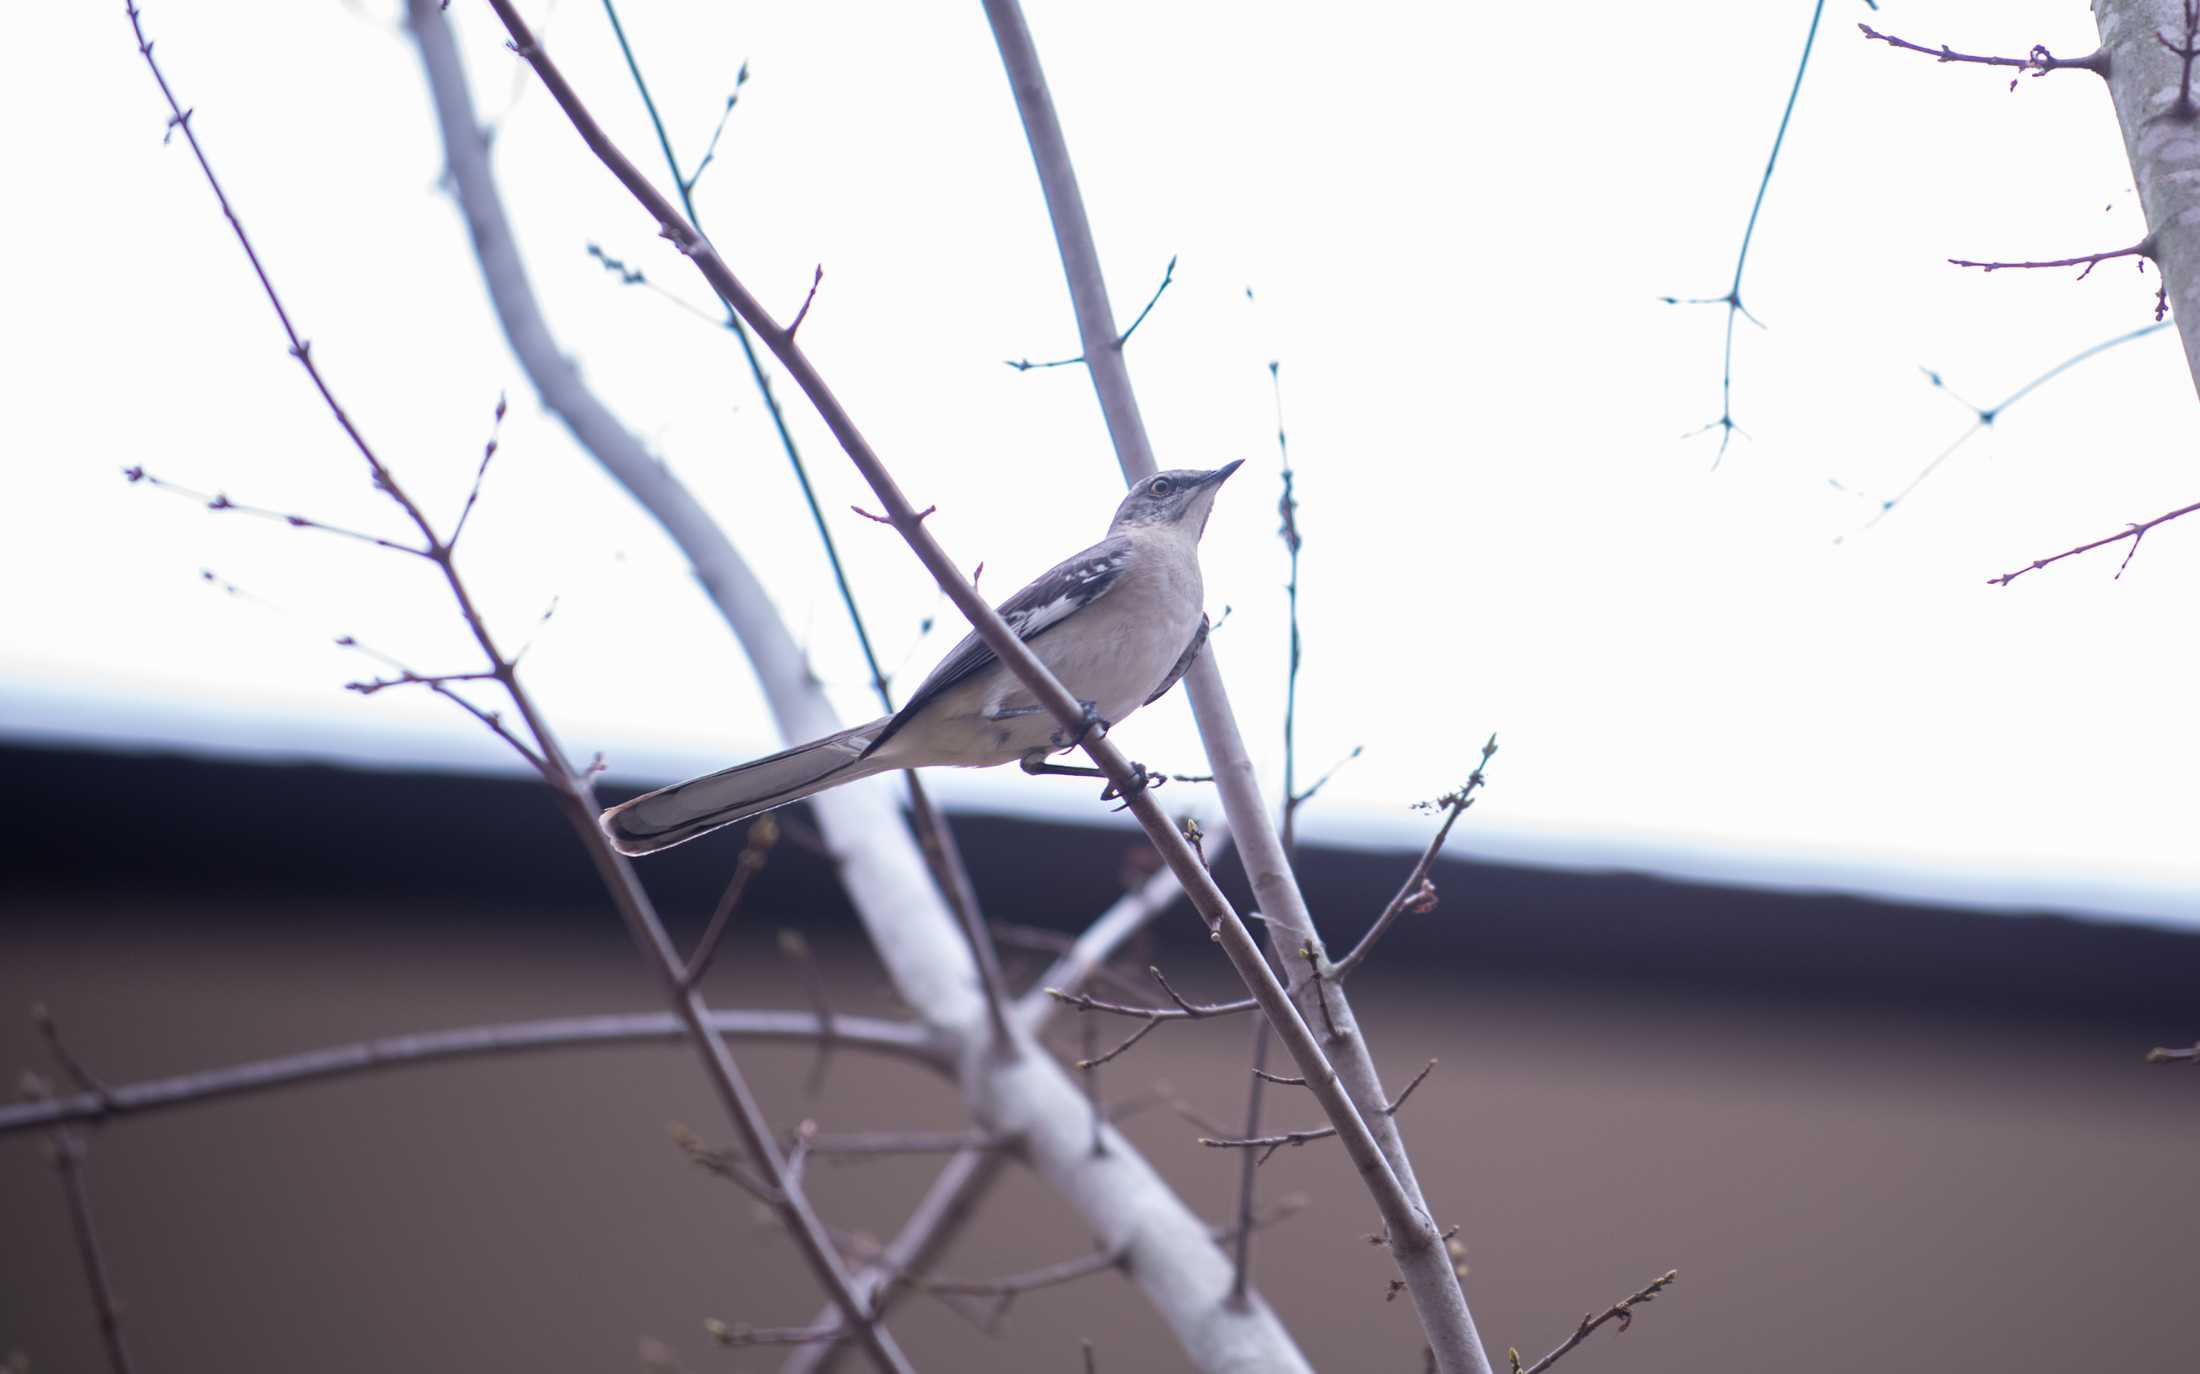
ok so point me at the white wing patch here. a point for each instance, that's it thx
(1079, 587)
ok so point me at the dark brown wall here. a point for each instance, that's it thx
(1867, 1135)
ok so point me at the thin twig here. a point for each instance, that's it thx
(2088, 261)
(740, 1333)
(473, 493)
(1621, 1312)
(1984, 417)
(1313, 958)
(1732, 300)
(1241, 1262)
(755, 853)
(1269, 1144)
(68, 1159)
(1418, 894)
(937, 839)
(895, 1038)
(2134, 533)
(1183, 1011)
(2161, 1055)
(2036, 63)
(1287, 514)
(1168, 275)
(2185, 50)
(796, 948)
(219, 502)
(68, 1152)
(1135, 1036)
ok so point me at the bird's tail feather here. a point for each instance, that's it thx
(676, 814)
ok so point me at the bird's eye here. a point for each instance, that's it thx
(1162, 486)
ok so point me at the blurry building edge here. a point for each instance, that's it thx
(53, 714)
(256, 836)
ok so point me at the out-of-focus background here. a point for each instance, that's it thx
(1860, 1130)
(1808, 936)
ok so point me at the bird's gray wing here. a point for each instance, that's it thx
(1183, 662)
(1051, 598)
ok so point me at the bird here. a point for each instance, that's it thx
(1118, 624)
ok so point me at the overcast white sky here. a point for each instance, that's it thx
(1458, 222)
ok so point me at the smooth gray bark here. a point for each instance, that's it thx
(2162, 139)
(1171, 1253)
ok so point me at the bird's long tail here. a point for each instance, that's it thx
(676, 814)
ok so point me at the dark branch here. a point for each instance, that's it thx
(2134, 533)
(2142, 249)
(1621, 1312)
(756, 851)
(2036, 63)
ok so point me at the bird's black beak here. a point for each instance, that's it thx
(1222, 474)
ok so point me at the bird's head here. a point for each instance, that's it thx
(1179, 498)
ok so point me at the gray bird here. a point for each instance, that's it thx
(1118, 624)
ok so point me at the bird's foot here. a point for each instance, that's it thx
(1141, 781)
(1085, 730)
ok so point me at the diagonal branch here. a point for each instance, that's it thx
(2134, 533)
(1175, 1266)
(1415, 1237)
(1419, 1250)
(577, 800)
(940, 849)
(1621, 1312)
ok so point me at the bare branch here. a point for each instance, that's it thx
(756, 851)
(2175, 1056)
(68, 1151)
(1732, 299)
(794, 947)
(473, 493)
(817, 279)
(740, 1333)
(2036, 63)
(2134, 533)
(1418, 894)
(220, 503)
(1135, 1036)
(1984, 417)
(1269, 1144)
(895, 1038)
(1241, 1276)
(1621, 1312)
(1168, 275)
(68, 1159)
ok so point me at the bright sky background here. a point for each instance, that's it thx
(1457, 220)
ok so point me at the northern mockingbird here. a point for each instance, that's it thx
(1118, 624)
